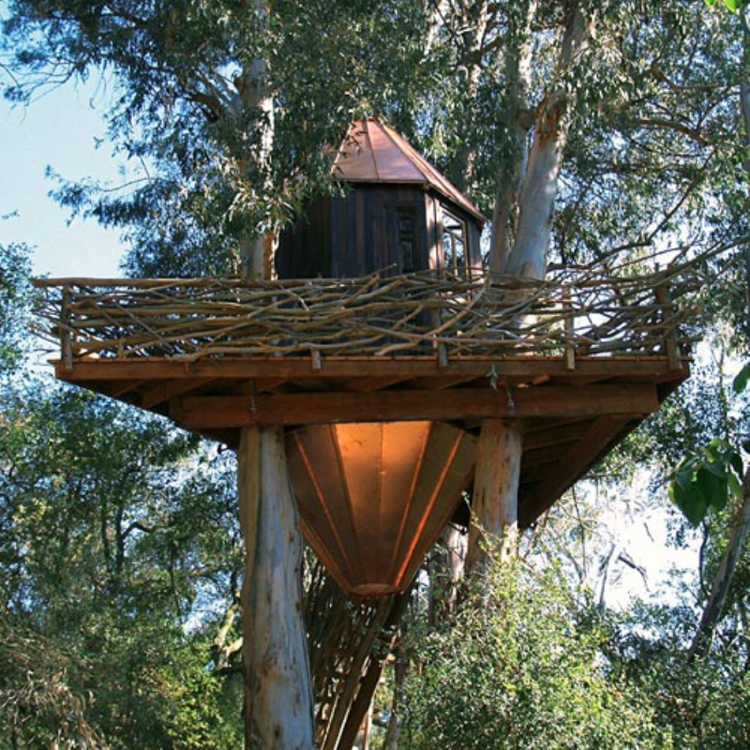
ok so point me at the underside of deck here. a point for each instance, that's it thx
(571, 416)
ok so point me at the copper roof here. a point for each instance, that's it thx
(374, 152)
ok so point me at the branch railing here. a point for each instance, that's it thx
(374, 316)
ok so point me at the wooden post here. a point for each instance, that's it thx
(664, 298)
(65, 329)
(278, 688)
(494, 509)
(570, 352)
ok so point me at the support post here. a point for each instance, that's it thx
(664, 298)
(494, 509)
(65, 329)
(278, 703)
(570, 352)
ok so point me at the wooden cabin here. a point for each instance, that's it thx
(374, 496)
(398, 212)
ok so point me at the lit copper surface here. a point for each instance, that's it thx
(373, 152)
(373, 497)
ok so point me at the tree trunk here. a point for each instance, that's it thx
(519, 121)
(257, 246)
(528, 258)
(495, 501)
(494, 511)
(723, 579)
(278, 694)
(400, 673)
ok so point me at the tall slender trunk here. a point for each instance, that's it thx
(473, 23)
(495, 501)
(278, 694)
(278, 690)
(257, 246)
(745, 111)
(528, 257)
(510, 178)
(738, 533)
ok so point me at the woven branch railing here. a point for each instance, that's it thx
(376, 316)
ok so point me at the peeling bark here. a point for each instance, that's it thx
(257, 247)
(528, 257)
(522, 228)
(510, 178)
(278, 693)
(494, 512)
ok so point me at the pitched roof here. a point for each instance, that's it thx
(373, 152)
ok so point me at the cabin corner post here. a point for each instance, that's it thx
(278, 700)
(494, 508)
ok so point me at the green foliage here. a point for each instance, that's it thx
(704, 702)
(741, 380)
(118, 548)
(15, 269)
(522, 666)
(180, 108)
(707, 479)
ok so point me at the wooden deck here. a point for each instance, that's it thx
(579, 360)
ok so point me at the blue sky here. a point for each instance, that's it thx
(60, 131)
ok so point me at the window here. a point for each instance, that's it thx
(454, 244)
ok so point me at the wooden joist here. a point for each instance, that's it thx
(646, 369)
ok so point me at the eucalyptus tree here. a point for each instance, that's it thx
(591, 131)
(115, 539)
(595, 133)
(180, 98)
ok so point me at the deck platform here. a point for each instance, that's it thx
(579, 361)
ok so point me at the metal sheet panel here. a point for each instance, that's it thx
(373, 497)
(374, 152)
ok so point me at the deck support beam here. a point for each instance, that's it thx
(212, 412)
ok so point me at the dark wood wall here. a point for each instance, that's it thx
(372, 228)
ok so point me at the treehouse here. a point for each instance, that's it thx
(382, 379)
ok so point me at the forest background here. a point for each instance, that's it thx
(120, 552)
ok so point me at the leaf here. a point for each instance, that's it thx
(712, 488)
(684, 477)
(715, 468)
(732, 5)
(689, 502)
(740, 382)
